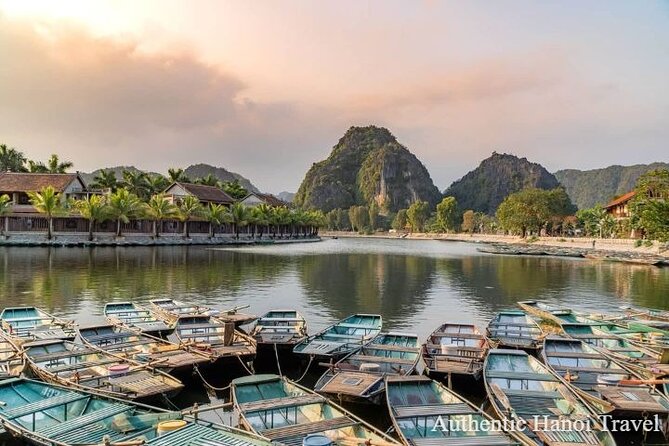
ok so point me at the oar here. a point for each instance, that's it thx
(640, 382)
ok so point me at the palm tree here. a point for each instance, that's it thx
(263, 214)
(159, 209)
(124, 205)
(281, 217)
(54, 165)
(136, 183)
(37, 167)
(156, 184)
(234, 189)
(190, 206)
(177, 175)
(239, 216)
(94, 208)
(5, 208)
(11, 160)
(47, 201)
(209, 180)
(216, 214)
(105, 179)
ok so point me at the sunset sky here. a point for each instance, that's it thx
(266, 88)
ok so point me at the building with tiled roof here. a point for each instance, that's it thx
(17, 185)
(206, 194)
(619, 207)
(256, 198)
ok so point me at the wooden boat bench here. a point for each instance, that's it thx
(432, 410)
(392, 348)
(63, 354)
(140, 383)
(304, 429)
(520, 376)
(577, 355)
(81, 365)
(80, 422)
(484, 440)
(41, 405)
(372, 359)
(457, 335)
(279, 403)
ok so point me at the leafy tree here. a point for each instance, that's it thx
(590, 220)
(105, 179)
(11, 160)
(469, 221)
(650, 205)
(5, 209)
(400, 222)
(417, 215)
(281, 217)
(37, 167)
(447, 214)
(209, 180)
(159, 209)
(136, 183)
(216, 215)
(177, 175)
(55, 165)
(373, 216)
(343, 222)
(262, 216)
(239, 217)
(359, 217)
(124, 205)
(527, 210)
(48, 202)
(234, 189)
(156, 184)
(93, 208)
(189, 207)
(331, 220)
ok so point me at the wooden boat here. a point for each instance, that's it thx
(521, 388)
(12, 362)
(81, 367)
(286, 412)
(280, 329)
(31, 323)
(342, 338)
(129, 314)
(652, 314)
(51, 415)
(215, 338)
(514, 329)
(592, 374)
(359, 377)
(156, 352)
(170, 309)
(415, 404)
(455, 350)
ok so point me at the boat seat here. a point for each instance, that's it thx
(364, 327)
(541, 394)
(41, 405)
(122, 345)
(278, 403)
(85, 420)
(304, 429)
(393, 348)
(62, 354)
(200, 326)
(351, 338)
(432, 410)
(482, 440)
(82, 365)
(499, 374)
(198, 435)
(457, 335)
(554, 354)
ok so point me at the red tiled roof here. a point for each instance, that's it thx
(621, 199)
(210, 194)
(32, 182)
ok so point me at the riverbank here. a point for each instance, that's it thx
(618, 250)
(145, 240)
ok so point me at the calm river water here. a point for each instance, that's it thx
(415, 285)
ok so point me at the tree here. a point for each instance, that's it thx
(159, 209)
(124, 205)
(331, 220)
(400, 222)
(281, 217)
(209, 180)
(93, 208)
(234, 189)
(650, 205)
(417, 215)
(469, 221)
(156, 184)
(523, 211)
(343, 222)
(262, 215)
(48, 202)
(11, 160)
(136, 183)
(105, 179)
(216, 215)
(189, 207)
(54, 165)
(373, 215)
(37, 167)
(590, 220)
(447, 214)
(177, 175)
(359, 217)
(239, 217)
(5, 209)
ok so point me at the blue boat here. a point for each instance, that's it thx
(514, 329)
(128, 314)
(342, 338)
(32, 323)
(49, 415)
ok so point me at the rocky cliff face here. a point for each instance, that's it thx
(587, 188)
(484, 188)
(367, 165)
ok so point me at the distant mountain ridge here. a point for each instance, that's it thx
(484, 188)
(586, 188)
(288, 197)
(367, 166)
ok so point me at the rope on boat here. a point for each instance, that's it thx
(209, 386)
(249, 371)
(278, 364)
(311, 359)
(169, 402)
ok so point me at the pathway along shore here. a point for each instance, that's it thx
(617, 250)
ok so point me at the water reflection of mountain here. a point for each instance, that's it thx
(63, 279)
(392, 285)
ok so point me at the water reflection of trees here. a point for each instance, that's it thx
(64, 278)
(392, 285)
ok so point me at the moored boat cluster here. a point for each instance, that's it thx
(552, 376)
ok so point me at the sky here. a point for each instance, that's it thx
(266, 88)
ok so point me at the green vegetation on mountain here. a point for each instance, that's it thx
(367, 166)
(598, 186)
(484, 188)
